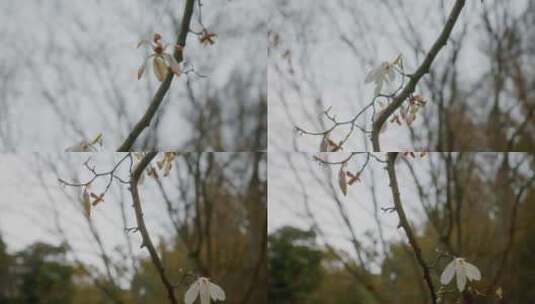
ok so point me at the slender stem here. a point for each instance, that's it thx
(404, 223)
(147, 242)
(420, 72)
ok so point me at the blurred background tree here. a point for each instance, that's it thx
(38, 274)
(479, 206)
(294, 265)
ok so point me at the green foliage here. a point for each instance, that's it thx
(338, 286)
(295, 265)
(45, 276)
(38, 274)
(5, 276)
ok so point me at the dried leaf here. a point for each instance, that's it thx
(140, 71)
(342, 180)
(86, 201)
(160, 69)
(324, 146)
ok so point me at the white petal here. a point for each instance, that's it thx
(216, 292)
(472, 272)
(461, 275)
(192, 293)
(448, 273)
(373, 75)
(378, 87)
(391, 74)
(204, 292)
(388, 86)
(143, 65)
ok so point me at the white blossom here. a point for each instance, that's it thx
(382, 74)
(205, 290)
(463, 270)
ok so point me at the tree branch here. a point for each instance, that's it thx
(147, 242)
(511, 232)
(404, 223)
(420, 72)
(145, 120)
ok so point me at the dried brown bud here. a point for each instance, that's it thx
(156, 38)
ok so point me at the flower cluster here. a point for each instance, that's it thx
(162, 61)
(165, 164)
(408, 113)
